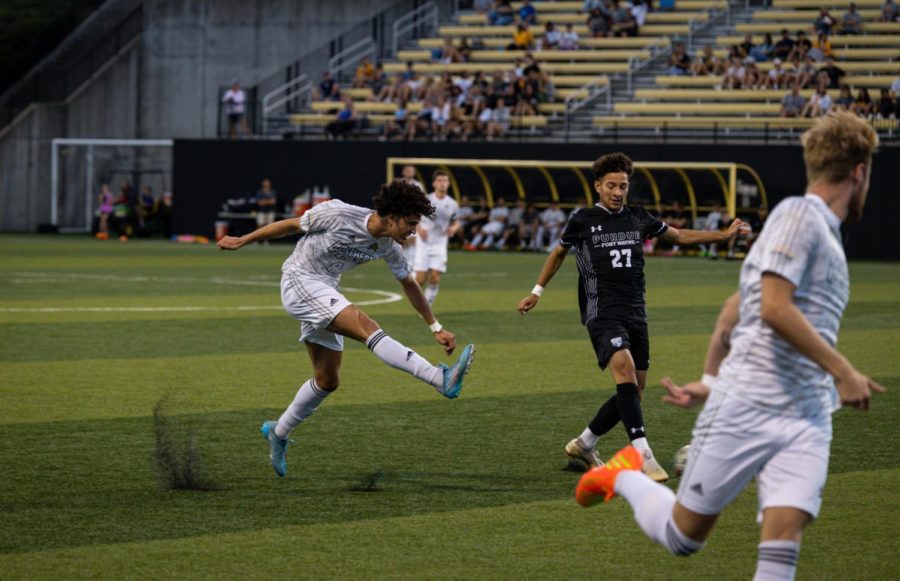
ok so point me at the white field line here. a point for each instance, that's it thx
(39, 277)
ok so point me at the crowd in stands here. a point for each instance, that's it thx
(603, 18)
(129, 214)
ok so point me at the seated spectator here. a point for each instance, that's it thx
(887, 105)
(568, 40)
(679, 61)
(845, 101)
(824, 22)
(328, 90)
(590, 5)
(833, 72)
(735, 74)
(802, 46)
(522, 38)
(890, 12)
(639, 12)
(744, 48)
(707, 63)
(821, 49)
(527, 226)
(863, 106)
(551, 38)
(344, 121)
(266, 204)
(777, 77)
(500, 116)
(806, 73)
(851, 21)
(623, 23)
(502, 14)
(397, 126)
(763, 51)
(793, 103)
(379, 79)
(464, 49)
(598, 24)
(493, 230)
(527, 13)
(409, 72)
(549, 228)
(413, 89)
(440, 118)
(820, 103)
(390, 92)
(753, 77)
(449, 53)
(365, 73)
(785, 46)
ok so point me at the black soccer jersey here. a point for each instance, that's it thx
(610, 255)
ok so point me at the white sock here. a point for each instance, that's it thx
(588, 438)
(652, 504)
(431, 292)
(642, 445)
(401, 357)
(777, 561)
(308, 398)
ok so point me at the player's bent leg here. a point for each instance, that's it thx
(779, 546)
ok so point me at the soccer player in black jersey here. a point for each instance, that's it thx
(608, 240)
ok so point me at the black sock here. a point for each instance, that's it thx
(607, 417)
(629, 405)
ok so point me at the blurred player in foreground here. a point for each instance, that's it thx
(336, 238)
(772, 377)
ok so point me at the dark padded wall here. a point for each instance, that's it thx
(207, 172)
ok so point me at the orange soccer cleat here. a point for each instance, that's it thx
(599, 482)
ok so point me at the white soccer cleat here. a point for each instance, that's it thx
(588, 456)
(652, 468)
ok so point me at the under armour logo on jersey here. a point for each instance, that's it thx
(698, 488)
(333, 302)
(616, 341)
(596, 228)
(409, 355)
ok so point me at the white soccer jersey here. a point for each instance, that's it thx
(801, 242)
(445, 210)
(336, 240)
(553, 218)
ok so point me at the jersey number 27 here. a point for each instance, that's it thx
(618, 255)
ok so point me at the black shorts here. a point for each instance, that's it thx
(607, 337)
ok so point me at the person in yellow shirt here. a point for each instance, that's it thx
(522, 38)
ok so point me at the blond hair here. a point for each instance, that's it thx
(836, 144)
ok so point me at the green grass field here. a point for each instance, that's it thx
(388, 479)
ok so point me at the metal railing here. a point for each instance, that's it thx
(416, 22)
(593, 89)
(350, 56)
(298, 90)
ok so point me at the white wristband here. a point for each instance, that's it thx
(435, 327)
(708, 379)
(538, 290)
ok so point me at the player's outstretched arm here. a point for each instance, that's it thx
(417, 299)
(278, 229)
(684, 237)
(551, 265)
(777, 310)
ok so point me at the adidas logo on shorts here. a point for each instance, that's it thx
(333, 301)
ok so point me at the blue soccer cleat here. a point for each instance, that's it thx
(277, 447)
(453, 375)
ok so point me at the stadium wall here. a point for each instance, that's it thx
(206, 173)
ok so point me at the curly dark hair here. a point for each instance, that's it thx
(402, 199)
(612, 163)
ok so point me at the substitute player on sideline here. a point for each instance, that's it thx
(608, 240)
(433, 236)
(338, 237)
(768, 411)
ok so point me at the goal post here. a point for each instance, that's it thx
(725, 177)
(79, 165)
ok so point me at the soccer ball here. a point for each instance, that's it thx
(680, 461)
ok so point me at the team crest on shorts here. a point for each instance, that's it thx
(616, 341)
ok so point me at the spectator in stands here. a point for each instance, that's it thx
(802, 47)
(890, 12)
(421, 125)
(589, 5)
(146, 206)
(266, 204)
(365, 73)
(895, 87)
(494, 230)
(500, 115)
(502, 14)
(527, 14)
(464, 49)
(409, 72)
(551, 222)
(328, 89)
(806, 73)
(568, 40)
(851, 21)
(763, 51)
(824, 22)
(413, 89)
(233, 100)
(707, 63)
(449, 53)
(785, 46)
(379, 80)
(105, 200)
(792, 105)
(821, 49)
(776, 78)
(623, 23)
(440, 118)
(845, 101)
(552, 36)
(753, 77)
(344, 121)
(396, 126)
(735, 74)
(679, 61)
(887, 105)
(820, 103)
(598, 24)
(864, 106)
(639, 12)
(833, 73)
(523, 39)
(744, 48)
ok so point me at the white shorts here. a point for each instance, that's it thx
(493, 228)
(431, 256)
(732, 442)
(315, 304)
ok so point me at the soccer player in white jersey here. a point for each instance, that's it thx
(408, 174)
(433, 234)
(772, 377)
(336, 238)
